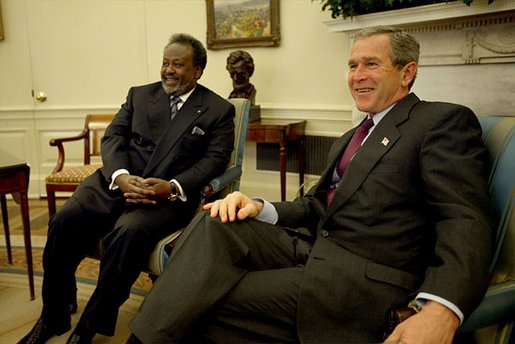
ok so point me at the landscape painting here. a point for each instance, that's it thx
(240, 23)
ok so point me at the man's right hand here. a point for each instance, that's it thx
(234, 206)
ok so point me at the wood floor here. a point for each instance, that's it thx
(17, 312)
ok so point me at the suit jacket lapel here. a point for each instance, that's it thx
(158, 105)
(188, 113)
(380, 141)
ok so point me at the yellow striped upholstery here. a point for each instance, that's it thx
(72, 175)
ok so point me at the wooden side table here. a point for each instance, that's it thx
(15, 179)
(281, 132)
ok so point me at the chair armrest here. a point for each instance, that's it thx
(231, 174)
(497, 307)
(161, 254)
(58, 142)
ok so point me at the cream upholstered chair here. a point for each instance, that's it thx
(68, 179)
(219, 187)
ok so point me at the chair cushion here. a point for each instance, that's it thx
(72, 175)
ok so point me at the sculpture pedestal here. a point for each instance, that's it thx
(255, 113)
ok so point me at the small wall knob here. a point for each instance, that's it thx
(41, 96)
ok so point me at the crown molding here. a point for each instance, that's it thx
(432, 15)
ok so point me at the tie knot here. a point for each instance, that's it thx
(174, 107)
(363, 129)
(175, 99)
(369, 123)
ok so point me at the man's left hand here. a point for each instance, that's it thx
(160, 190)
(435, 323)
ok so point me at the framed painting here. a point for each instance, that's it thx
(242, 23)
(1, 25)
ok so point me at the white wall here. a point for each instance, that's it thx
(120, 42)
(86, 54)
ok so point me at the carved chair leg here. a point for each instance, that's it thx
(51, 202)
(5, 218)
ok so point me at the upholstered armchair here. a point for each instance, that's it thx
(219, 187)
(495, 316)
(492, 321)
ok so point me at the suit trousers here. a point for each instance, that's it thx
(129, 233)
(233, 282)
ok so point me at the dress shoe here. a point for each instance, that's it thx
(80, 337)
(41, 332)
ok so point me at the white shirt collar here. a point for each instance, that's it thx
(379, 116)
(185, 96)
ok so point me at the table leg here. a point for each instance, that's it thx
(5, 218)
(24, 203)
(302, 161)
(282, 165)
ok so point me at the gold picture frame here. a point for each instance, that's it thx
(1, 25)
(242, 23)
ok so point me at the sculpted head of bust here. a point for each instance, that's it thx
(241, 67)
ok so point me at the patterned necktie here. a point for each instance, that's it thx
(174, 106)
(350, 151)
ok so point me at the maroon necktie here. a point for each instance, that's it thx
(350, 150)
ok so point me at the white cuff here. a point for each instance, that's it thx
(115, 174)
(268, 214)
(440, 300)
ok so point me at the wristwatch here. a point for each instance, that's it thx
(416, 305)
(174, 191)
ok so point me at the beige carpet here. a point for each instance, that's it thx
(87, 271)
(17, 313)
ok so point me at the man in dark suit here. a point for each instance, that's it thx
(407, 218)
(166, 142)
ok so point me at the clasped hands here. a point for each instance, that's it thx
(138, 190)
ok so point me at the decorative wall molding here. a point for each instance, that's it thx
(449, 33)
(452, 10)
(25, 133)
(321, 120)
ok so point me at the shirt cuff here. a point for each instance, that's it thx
(440, 300)
(115, 174)
(268, 214)
(182, 194)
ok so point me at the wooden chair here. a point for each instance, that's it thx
(68, 179)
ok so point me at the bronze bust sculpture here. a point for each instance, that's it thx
(241, 67)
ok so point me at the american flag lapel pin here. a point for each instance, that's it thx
(385, 142)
